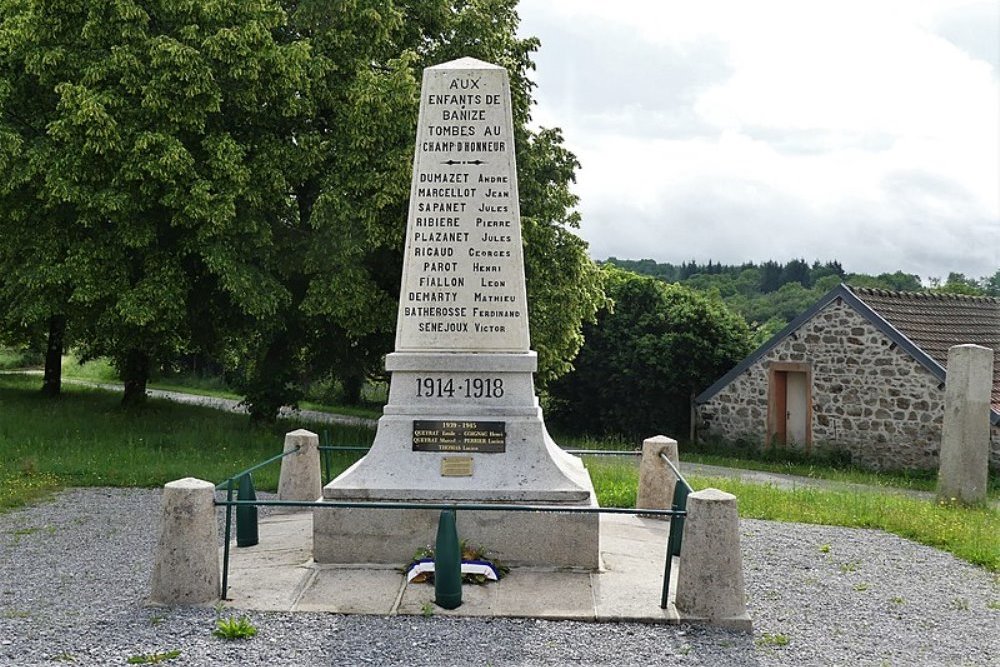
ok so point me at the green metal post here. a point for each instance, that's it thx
(328, 441)
(229, 528)
(447, 563)
(246, 515)
(680, 501)
(674, 538)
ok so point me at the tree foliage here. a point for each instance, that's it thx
(771, 294)
(353, 195)
(231, 180)
(645, 357)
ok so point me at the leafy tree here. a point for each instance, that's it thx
(957, 283)
(796, 271)
(832, 268)
(991, 284)
(898, 281)
(147, 137)
(770, 276)
(231, 179)
(645, 357)
(353, 192)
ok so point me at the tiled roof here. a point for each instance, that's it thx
(936, 321)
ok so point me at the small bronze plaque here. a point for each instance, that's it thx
(459, 436)
(456, 466)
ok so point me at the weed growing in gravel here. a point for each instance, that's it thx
(994, 605)
(16, 613)
(153, 658)
(427, 609)
(768, 639)
(851, 566)
(897, 600)
(64, 657)
(959, 604)
(231, 628)
(824, 548)
(861, 587)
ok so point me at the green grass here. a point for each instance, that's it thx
(972, 534)
(20, 487)
(98, 370)
(101, 370)
(11, 358)
(366, 411)
(917, 480)
(615, 481)
(84, 438)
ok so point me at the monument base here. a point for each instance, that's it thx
(515, 538)
(523, 467)
(558, 539)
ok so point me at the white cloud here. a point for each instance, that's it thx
(746, 131)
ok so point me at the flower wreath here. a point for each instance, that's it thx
(478, 566)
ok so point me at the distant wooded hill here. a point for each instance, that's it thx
(771, 294)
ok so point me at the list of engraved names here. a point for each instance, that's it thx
(465, 273)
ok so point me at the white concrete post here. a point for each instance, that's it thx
(300, 473)
(186, 566)
(656, 479)
(965, 434)
(710, 578)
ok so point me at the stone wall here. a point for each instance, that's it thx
(869, 397)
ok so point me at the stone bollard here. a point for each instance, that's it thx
(963, 473)
(186, 567)
(710, 579)
(300, 474)
(656, 479)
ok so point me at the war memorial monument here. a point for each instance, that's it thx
(462, 423)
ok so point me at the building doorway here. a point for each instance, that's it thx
(789, 405)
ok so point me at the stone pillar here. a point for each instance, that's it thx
(965, 435)
(656, 479)
(300, 472)
(186, 568)
(710, 578)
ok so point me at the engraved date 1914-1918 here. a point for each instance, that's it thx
(475, 387)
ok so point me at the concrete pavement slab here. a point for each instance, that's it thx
(279, 574)
(476, 601)
(350, 590)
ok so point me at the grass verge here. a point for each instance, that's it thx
(972, 534)
(84, 438)
(100, 370)
(914, 480)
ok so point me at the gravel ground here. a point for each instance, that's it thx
(75, 572)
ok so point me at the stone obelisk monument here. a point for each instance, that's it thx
(462, 423)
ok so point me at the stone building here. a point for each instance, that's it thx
(862, 372)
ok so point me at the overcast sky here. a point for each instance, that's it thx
(867, 132)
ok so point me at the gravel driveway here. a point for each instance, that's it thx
(75, 572)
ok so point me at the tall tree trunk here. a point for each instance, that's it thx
(135, 375)
(52, 380)
(352, 385)
(268, 390)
